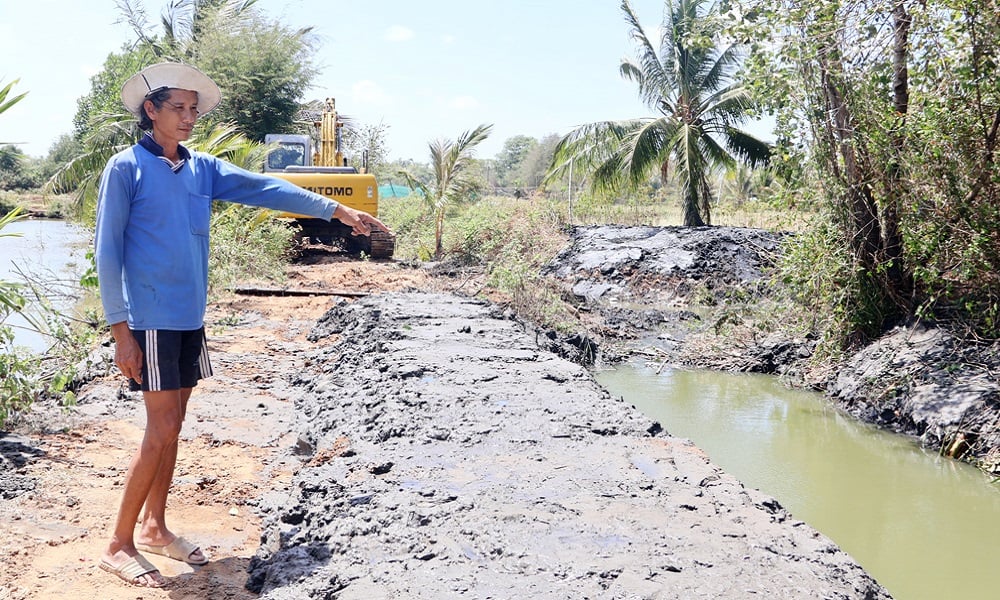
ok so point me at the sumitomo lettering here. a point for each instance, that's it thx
(329, 190)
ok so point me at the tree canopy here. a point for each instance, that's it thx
(894, 106)
(262, 66)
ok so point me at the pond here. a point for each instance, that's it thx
(50, 251)
(924, 526)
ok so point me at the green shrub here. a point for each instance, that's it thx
(412, 224)
(247, 244)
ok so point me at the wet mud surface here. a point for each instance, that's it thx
(447, 454)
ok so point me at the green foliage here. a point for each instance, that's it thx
(366, 140)
(63, 150)
(262, 67)
(11, 299)
(514, 240)
(18, 377)
(16, 372)
(22, 378)
(81, 175)
(5, 102)
(535, 165)
(413, 225)
(644, 207)
(816, 280)
(455, 176)
(16, 170)
(247, 244)
(94, 108)
(904, 160)
(513, 154)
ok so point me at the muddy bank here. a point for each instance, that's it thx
(647, 288)
(446, 452)
(928, 383)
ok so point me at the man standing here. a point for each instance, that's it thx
(151, 243)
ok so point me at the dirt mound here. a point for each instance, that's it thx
(661, 266)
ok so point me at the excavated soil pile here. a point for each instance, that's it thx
(642, 279)
(661, 265)
(446, 454)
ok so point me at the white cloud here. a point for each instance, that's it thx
(463, 103)
(369, 93)
(398, 33)
(448, 39)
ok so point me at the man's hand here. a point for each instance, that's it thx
(128, 355)
(360, 222)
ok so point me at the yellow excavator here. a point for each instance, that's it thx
(325, 171)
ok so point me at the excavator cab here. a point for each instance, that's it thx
(292, 150)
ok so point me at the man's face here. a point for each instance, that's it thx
(176, 118)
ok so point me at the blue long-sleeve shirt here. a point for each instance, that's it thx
(151, 243)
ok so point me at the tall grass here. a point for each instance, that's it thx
(505, 240)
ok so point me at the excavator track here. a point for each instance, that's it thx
(382, 244)
(334, 233)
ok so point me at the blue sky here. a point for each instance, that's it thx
(426, 69)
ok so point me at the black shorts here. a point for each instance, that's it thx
(171, 360)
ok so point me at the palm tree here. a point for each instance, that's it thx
(449, 160)
(183, 22)
(4, 92)
(689, 84)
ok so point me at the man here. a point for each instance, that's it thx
(154, 209)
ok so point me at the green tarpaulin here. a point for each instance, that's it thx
(392, 190)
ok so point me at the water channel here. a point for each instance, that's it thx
(922, 525)
(50, 250)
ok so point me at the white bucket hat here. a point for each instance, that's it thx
(170, 75)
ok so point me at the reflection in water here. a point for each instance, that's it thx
(922, 525)
(48, 249)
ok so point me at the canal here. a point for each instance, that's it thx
(924, 526)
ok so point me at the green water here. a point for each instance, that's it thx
(922, 525)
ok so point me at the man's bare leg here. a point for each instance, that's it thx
(163, 425)
(154, 531)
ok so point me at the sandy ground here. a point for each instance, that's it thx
(234, 445)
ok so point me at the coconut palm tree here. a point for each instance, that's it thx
(449, 161)
(183, 22)
(689, 84)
